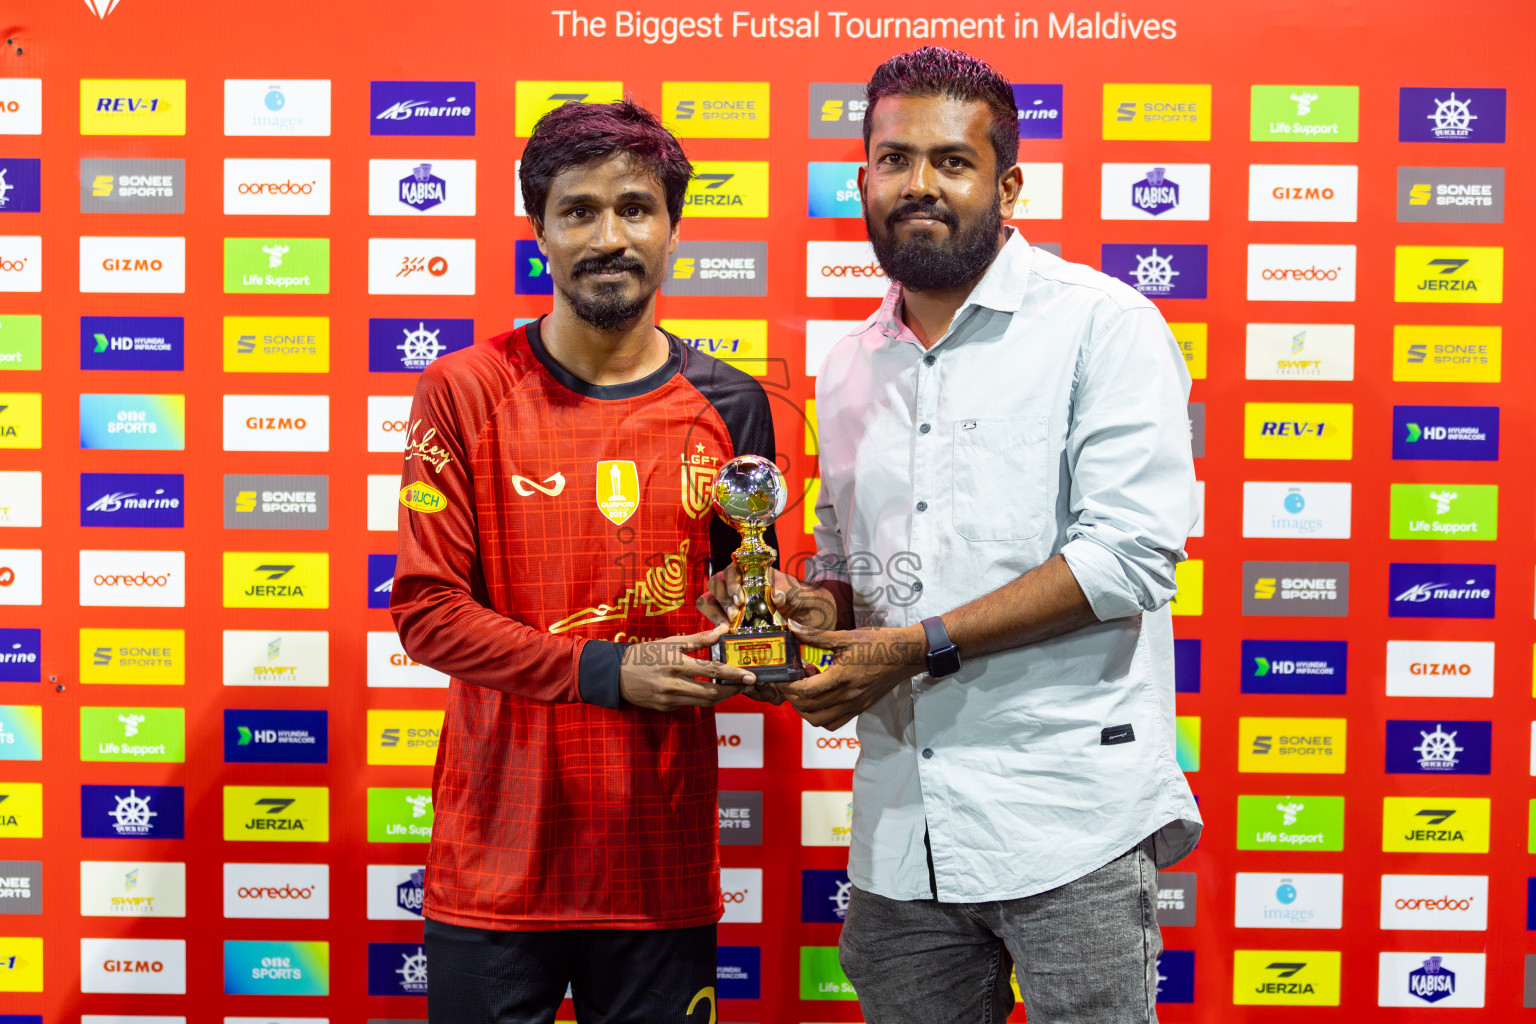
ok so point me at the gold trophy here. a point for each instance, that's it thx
(750, 493)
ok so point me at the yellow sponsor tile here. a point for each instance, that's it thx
(21, 419)
(1298, 430)
(133, 657)
(277, 344)
(1461, 355)
(133, 106)
(1285, 977)
(1449, 273)
(1189, 578)
(1434, 824)
(277, 579)
(716, 110)
(21, 812)
(403, 737)
(1302, 746)
(21, 963)
(728, 188)
(277, 814)
(742, 343)
(1157, 111)
(1192, 343)
(535, 99)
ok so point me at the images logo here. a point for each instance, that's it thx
(1450, 115)
(1285, 977)
(1301, 273)
(397, 969)
(133, 734)
(1445, 511)
(277, 423)
(1296, 588)
(277, 266)
(261, 106)
(1292, 900)
(20, 185)
(1166, 112)
(132, 812)
(728, 188)
(1301, 510)
(131, 342)
(133, 106)
(410, 188)
(276, 658)
(1303, 745)
(21, 655)
(133, 579)
(1169, 192)
(837, 110)
(1430, 273)
(1444, 353)
(21, 342)
(1317, 193)
(283, 579)
(275, 737)
(1434, 668)
(718, 268)
(276, 502)
(1298, 430)
(133, 422)
(291, 814)
(1446, 432)
(1040, 110)
(403, 737)
(410, 345)
(535, 99)
(139, 500)
(1158, 271)
(277, 968)
(423, 108)
(132, 186)
(140, 657)
(1462, 195)
(1438, 824)
(1439, 747)
(1304, 113)
(1440, 591)
(716, 110)
(421, 266)
(742, 343)
(130, 265)
(400, 815)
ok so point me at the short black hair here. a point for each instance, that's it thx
(940, 71)
(579, 133)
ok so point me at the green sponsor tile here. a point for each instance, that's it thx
(1445, 512)
(21, 342)
(1304, 113)
(133, 734)
(393, 815)
(277, 266)
(1317, 822)
(821, 976)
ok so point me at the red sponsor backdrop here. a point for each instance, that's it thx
(1376, 46)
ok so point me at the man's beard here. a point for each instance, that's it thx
(609, 309)
(924, 264)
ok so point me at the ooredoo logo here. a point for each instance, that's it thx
(21, 263)
(1298, 274)
(294, 891)
(741, 890)
(135, 579)
(1434, 902)
(288, 187)
(388, 422)
(822, 749)
(1301, 273)
(834, 269)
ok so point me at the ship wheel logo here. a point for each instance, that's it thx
(1453, 118)
(1438, 750)
(133, 813)
(413, 972)
(421, 346)
(1154, 273)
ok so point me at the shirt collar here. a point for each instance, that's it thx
(1000, 288)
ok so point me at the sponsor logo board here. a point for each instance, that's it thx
(1441, 903)
(1159, 271)
(275, 814)
(1301, 273)
(276, 501)
(1418, 590)
(400, 815)
(1439, 668)
(1297, 745)
(1157, 112)
(132, 812)
(1450, 115)
(277, 423)
(276, 579)
(1311, 193)
(421, 266)
(1143, 192)
(1304, 113)
(1446, 354)
(271, 968)
(278, 736)
(133, 106)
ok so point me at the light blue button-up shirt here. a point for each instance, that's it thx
(1049, 419)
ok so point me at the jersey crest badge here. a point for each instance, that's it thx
(618, 490)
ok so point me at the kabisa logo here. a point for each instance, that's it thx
(1431, 824)
(728, 188)
(381, 579)
(21, 655)
(1464, 195)
(837, 110)
(1441, 591)
(422, 108)
(276, 579)
(410, 345)
(1429, 273)
(140, 500)
(833, 189)
(1432, 982)
(296, 814)
(397, 969)
(1450, 115)
(410, 894)
(824, 895)
(1449, 432)
(716, 110)
(1158, 271)
(133, 106)
(530, 270)
(263, 106)
(1040, 110)
(1439, 747)
(20, 185)
(1155, 193)
(534, 99)
(275, 737)
(718, 268)
(422, 190)
(132, 812)
(132, 342)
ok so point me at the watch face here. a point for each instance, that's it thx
(944, 662)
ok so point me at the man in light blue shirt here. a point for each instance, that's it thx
(1006, 487)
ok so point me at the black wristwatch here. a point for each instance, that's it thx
(943, 655)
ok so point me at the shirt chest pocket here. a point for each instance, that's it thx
(1001, 487)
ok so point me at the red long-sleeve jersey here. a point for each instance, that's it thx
(546, 521)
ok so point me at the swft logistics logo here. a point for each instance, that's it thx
(21, 342)
(1446, 432)
(535, 99)
(117, 888)
(277, 266)
(1157, 112)
(133, 734)
(399, 815)
(1304, 113)
(1460, 195)
(742, 343)
(1300, 745)
(1440, 824)
(283, 814)
(1439, 747)
(422, 108)
(288, 657)
(728, 188)
(1433, 273)
(133, 422)
(1296, 588)
(270, 344)
(403, 737)
(21, 497)
(277, 968)
(837, 110)
(1445, 512)
(277, 579)
(1447, 354)
(136, 657)
(1450, 115)
(1441, 591)
(1285, 977)
(133, 106)
(131, 342)
(716, 110)
(1298, 430)
(132, 186)
(1158, 271)
(21, 810)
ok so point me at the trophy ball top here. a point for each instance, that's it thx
(750, 491)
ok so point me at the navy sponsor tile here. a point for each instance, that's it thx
(1420, 590)
(132, 812)
(1186, 666)
(1295, 666)
(283, 736)
(381, 579)
(21, 185)
(1040, 111)
(132, 342)
(397, 969)
(1450, 115)
(1439, 747)
(1158, 271)
(738, 972)
(139, 500)
(1176, 976)
(421, 108)
(824, 895)
(1530, 906)
(530, 274)
(1462, 433)
(409, 345)
(21, 655)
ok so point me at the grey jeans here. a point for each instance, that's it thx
(1086, 953)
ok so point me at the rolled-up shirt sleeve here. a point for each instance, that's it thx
(1131, 466)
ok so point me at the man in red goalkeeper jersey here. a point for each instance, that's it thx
(555, 533)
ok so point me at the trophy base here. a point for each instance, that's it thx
(771, 657)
